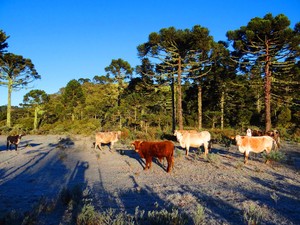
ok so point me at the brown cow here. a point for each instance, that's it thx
(248, 144)
(13, 140)
(161, 149)
(275, 135)
(107, 138)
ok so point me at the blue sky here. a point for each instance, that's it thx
(72, 39)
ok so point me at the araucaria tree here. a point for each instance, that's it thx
(16, 73)
(3, 43)
(181, 52)
(36, 99)
(269, 45)
(73, 97)
(119, 70)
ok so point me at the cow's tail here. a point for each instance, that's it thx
(210, 142)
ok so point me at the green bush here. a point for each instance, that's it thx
(167, 218)
(88, 216)
(199, 215)
(275, 156)
(253, 213)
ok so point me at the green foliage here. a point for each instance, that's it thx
(253, 213)
(260, 45)
(166, 217)
(276, 156)
(199, 215)
(88, 216)
(284, 117)
(213, 158)
(3, 39)
(143, 104)
(72, 97)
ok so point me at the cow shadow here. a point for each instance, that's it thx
(104, 146)
(130, 153)
(2, 147)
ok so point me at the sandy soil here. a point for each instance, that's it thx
(224, 186)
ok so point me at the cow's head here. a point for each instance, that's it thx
(136, 145)
(249, 132)
(119, 134)
(238, 139)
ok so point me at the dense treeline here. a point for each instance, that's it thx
(185, 79)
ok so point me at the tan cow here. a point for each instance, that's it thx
(272, 133)
(107, 138)
(248, 144)
(193, 139)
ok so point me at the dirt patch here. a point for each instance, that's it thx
(223, 185)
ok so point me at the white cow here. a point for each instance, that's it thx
(194, 139)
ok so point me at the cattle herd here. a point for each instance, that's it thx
(254, 141)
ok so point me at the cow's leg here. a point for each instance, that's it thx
(16, 147)
(7, 145)
(187, 148)
(170, 163)
(268, 152)
(246, 155)
(205, 148)
(148, 163)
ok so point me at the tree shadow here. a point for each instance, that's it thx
(277, 197)
(42, 174)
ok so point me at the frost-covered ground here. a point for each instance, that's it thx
(224, 186)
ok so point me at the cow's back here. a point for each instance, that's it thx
(164, 148)
(196, 139)
(255, 144)
(106, 137)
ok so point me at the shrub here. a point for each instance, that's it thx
(275, 156)
(212, 158)
(111, 217)
(253, 213)
(199, 215)
(165, 217)
(88, 216)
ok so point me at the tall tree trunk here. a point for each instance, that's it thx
(8, 115)
(268, 77)
(173, 105)
(179, 100)
(258, 103)
(222, 109)
(35, 122)
(199, 106)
